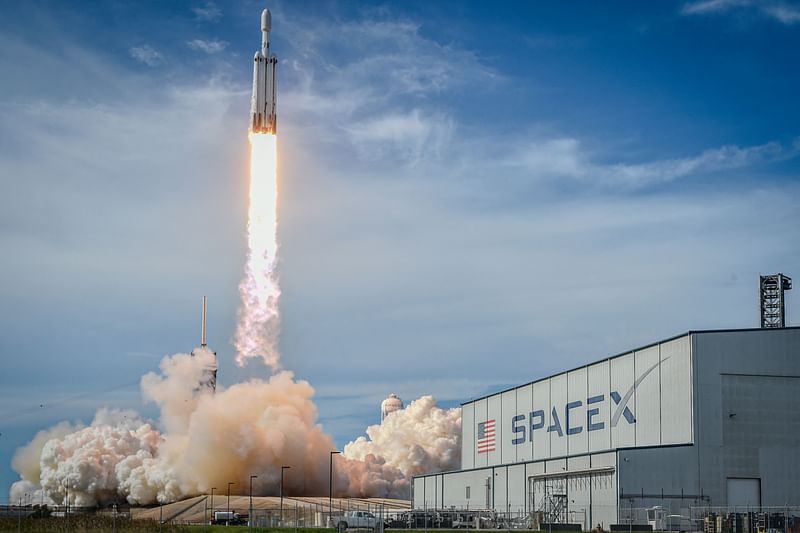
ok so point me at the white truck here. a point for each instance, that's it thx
(228, 518)
(357, 520)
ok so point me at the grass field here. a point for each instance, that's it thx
(100, 524)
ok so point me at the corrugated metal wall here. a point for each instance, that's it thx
(643, 398)
(588, 483)
(748, 412)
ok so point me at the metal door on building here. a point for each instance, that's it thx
(744, 491)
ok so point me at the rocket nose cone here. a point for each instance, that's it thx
(266, 20)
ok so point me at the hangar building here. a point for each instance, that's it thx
(707, 418)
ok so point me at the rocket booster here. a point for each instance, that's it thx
(262, 105)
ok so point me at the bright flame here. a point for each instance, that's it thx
(258, 327)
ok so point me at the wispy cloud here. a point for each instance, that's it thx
(712, 6)
(209, 12)
(388, 110)
(385, 94)
(404, 136)
(208, 46)
(146, 54)
(565, 158)
(387, 59)
(779, 11)
(784, 13)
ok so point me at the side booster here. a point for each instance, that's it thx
(263, 117)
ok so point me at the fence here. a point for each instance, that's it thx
(304, 514)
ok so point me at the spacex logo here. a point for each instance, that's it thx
(537, 420)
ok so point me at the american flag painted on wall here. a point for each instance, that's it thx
(486, 436)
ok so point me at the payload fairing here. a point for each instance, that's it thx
(262, 104)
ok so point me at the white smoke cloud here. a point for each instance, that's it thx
(205, 439)
(419, 439)
(26, 463)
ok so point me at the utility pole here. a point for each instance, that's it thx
(66, 509)
(630, 517)
(330, 487)
(250, 515)
(229, 497)
(213, 517)
(282, 469)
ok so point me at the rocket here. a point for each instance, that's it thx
(208, 379)
(262, 104)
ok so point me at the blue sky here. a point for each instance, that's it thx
(472, 196)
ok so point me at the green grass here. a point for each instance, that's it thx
(102, 524)
(221, 529)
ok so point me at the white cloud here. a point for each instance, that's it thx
(713, 6)
(406, 137)
(383, 94)
(146, 54)
(209, 12)
(782, 12)
(564, 158)
(208, 46)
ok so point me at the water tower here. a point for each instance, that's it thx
(390, 405)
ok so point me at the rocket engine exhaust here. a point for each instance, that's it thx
(258, 326)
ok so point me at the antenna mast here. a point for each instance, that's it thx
(203, 327)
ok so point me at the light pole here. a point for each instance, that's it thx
(250, 515)
(229, 496)
(282, 469)
(330, 487)
(66, 500)
(212, 504)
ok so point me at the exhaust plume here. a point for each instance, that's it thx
(258, 325)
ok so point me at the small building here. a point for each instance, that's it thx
(707, 418)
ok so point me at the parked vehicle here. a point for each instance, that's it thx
(357, 520)
(228, 518)
(464, 521)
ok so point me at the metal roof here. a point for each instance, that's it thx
(626, 352)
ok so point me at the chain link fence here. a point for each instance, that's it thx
(680, 516)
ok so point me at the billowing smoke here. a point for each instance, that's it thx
(419, 439)
(204, 440)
